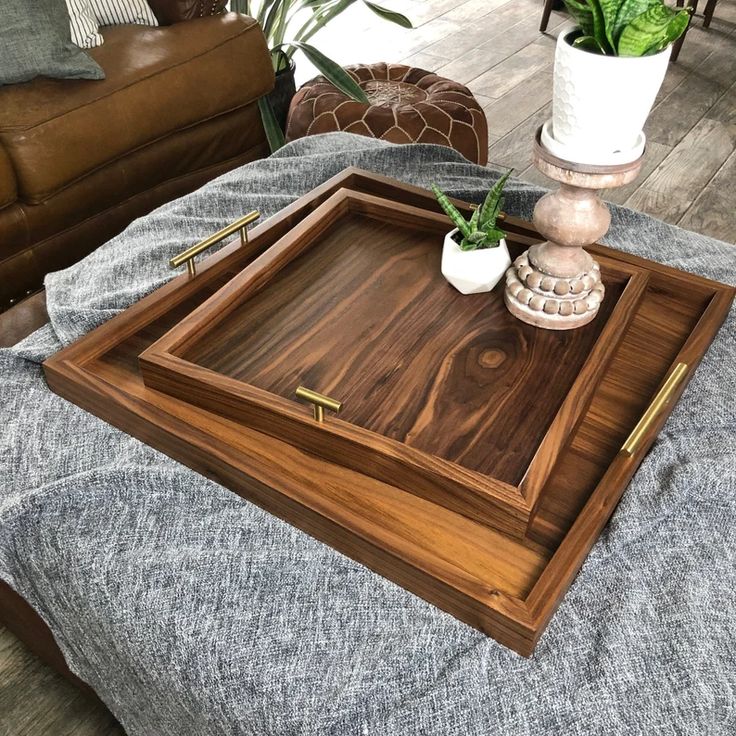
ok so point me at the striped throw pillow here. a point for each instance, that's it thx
(120, 12)
(83, 24)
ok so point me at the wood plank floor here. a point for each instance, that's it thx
(494, 47)
(34, 700)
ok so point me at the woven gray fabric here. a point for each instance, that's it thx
(193, 612)
(35, 41)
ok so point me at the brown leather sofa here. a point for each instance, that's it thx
(79, 160)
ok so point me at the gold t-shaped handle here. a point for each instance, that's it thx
(650, 416)
(319, 402)
(188, 255)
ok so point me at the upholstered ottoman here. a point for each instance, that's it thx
(407, 105)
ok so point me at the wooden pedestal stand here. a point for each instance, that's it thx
(557, 284)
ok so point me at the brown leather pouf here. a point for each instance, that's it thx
(407, 105)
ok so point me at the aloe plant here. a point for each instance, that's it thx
(481, 230)
(627, 27)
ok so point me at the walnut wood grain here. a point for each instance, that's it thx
(506, 587)
(444, 395)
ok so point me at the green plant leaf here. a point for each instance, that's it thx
(677, 26)
(629, 10)
(390, 15)
(274, 134)
(494, 235)
(452, 212)
(492, 204)
(474, 219)
(466, 244)
(599, 26)
(481, 240)
(267, 15)
(279, 59)
(651, 30)
(333, 72)
(589, 43)
(581, 14)
(322, 14)
(610, 9)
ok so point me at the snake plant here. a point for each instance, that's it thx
(627, 27)
(288, 26)
(481, 230)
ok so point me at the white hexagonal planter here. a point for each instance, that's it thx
(473, 271)
(600, 103)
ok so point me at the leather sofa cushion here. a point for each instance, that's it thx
(38, 238)
(57, 132)
(8, 189)
(211, 142)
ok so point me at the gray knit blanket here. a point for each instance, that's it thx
(193, 612)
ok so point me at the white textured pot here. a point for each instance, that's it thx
(600, 103)
(474, 271)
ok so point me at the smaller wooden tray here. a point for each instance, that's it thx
(446, 396)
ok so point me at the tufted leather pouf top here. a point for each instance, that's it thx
(407, 105)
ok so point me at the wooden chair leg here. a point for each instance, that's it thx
(677, 46)
(709, 9)
(546, 13)
(693, 4)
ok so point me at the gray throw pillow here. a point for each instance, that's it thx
(35, 41)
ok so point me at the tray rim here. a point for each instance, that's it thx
(483, 497)
(514, 622)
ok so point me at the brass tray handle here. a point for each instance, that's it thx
(319, 402)
(189, 254)
(663, 397)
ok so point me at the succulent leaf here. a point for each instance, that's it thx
(582, 15)
(651, 30)
(629, 10)
(589, 43)
(599, 25)
(492, 204)
(495, 235)
(452, 212)
(677, 26)
(474, 219)
(491, 222)
(481, 231)
(627, 27)
(610, 10)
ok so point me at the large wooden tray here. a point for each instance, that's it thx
(444, 395)
(507, 586)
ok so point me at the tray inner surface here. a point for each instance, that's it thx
(366, 317)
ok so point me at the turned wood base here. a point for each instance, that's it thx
(552, 302)
(557, 284)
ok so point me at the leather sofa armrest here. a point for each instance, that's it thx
(8, 184)
(20, 321)
(175, 11)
